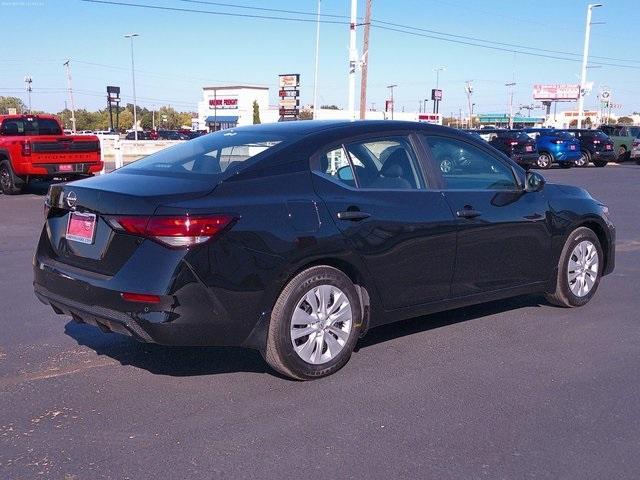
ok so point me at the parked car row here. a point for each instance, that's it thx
(165, 134)
(543, 147)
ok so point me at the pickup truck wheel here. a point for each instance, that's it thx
(622, 154)
(10, 183)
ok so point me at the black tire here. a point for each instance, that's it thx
(600, 163)
(279, 352)
(566, 165)
(10, 183)
(562, 296)
(622, 154)
(584, 160)
(544, 161)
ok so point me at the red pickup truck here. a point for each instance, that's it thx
(34, 146)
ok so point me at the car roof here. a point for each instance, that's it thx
(29, 115)
(309, 127)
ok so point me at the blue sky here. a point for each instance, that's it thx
(179, 52)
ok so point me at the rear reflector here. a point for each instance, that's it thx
(26, 148)
(175, 231)
(140, 297)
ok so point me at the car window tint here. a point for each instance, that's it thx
(335, 164)
(385, 163)
(467, 167)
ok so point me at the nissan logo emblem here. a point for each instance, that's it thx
(72, 199)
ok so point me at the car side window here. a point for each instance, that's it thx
(385, 163)
(467, 167)
(335, 164)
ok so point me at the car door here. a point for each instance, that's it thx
(504, 237)
(382, 201)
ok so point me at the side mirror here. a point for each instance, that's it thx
(533, 182)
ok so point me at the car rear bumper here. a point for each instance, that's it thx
(191, 315)
(525, 158)
(607, 155)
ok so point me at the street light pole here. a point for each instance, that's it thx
(512, 84)
(133, 78)
(391, 87)
(585, 55)
(28, 81)
(315, 74)
(73, 108)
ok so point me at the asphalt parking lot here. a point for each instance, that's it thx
(509, 389)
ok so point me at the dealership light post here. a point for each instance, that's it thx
(391, 87)
(511, 85)
(133, 78)
(585, 55)
(353, 60)
(27, 82)
(436, 103)
(315, 73)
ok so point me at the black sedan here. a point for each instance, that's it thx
(296, 238)
(515, 144)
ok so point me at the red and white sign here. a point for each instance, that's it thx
(430, 118)
(223, 102)
(558, 91)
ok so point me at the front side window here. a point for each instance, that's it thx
(467, 167)
(385, 163)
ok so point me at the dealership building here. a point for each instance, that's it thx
(224, 107)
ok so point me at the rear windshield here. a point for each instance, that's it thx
(30, 126)
(216, 153)
(515, 134)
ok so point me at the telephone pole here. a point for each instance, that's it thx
(353, 60)
(365, 61)
(469, 90)
(70, 89)
(27, 82)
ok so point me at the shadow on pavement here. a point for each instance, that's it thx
(442, 319)
(193, 361)
(163, 360)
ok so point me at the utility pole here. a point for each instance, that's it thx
(585, 56)
(353, 60)
(131, 36)
(365, 61)
(73, 108)
(315, 74)
(512, 84)
(27, 82)
(391, 87)
(469, 90)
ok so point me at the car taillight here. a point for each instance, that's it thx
(596, 142)
(513, 144)
(140, 297)
(26, 148)
(557, 141)
(636, 143)
(175, 231)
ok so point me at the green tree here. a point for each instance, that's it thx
(625, 121)
(305, 114)
(256, 112)
(11, 102)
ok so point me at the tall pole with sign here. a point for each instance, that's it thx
(353, 60)
(585, 56)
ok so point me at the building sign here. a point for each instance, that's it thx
(289, 93)
(223, 102)
(556, 92)
(436, 94)
(290, 80)
(430, 118)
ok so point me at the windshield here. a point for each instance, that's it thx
(30, 126)
(208, 155)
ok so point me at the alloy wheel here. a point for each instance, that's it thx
(446, 165)
(544, 161)
(583, 161)
(582, 271)
(321, 324)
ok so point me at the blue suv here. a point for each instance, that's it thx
(555, 146)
